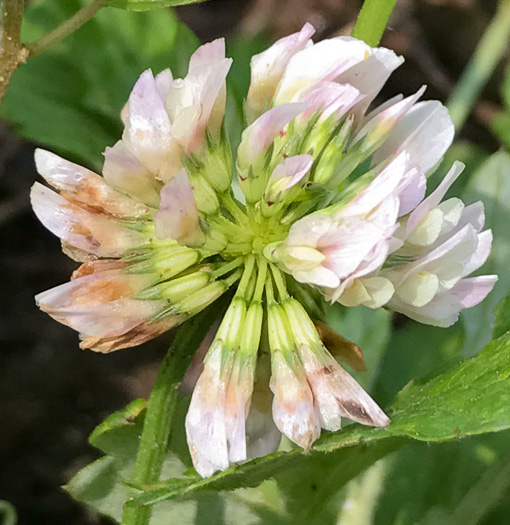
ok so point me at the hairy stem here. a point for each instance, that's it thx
(372, 20)
(162, 403)
(488, 53)
(65, 28)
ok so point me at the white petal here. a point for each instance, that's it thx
(428, 230)
(433, 200)
(205, 422)
(384, 184)
(293, 409)
(480, 255)
(330, 98)
(148, 126)
(419, 289)
(326, 60)
(122, 170)
(426, 132)
(257, 137)
(291, 170)
(208, 54)
(370, 75)
(444, 309)
(164, 80)
(267, 69)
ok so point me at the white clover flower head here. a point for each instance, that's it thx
(333, 207)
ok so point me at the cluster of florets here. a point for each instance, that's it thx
(328, 202)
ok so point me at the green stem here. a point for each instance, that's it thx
(162, 403)
(372, 20)
(233, 207)
(65, 28)
(280, 283)
(12, 53)
(488, 53)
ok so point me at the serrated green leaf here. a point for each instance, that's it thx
(69, 98)
(471, 398)
(502, 312)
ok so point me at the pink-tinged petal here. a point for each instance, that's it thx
(324, 61)
(294, 412)
(433, 200)
(85, 187)
(308, 230)
(268, 67)
(148, 128)
(386, 214)
(371, 263)
(445, 259)
(426, 132)
(291, 171)
(384, 122)
(123, 171)
(163, 81)
(207, 83)
(330, 98)
(337, 394)
(379, 109)
(257, 137)
(237, 405)
(208, 54)
(205, 422)
(370, 75)
(444, 309)
(83, 229)
(356, 239)
(177, 216)
(100, 304)
(411, 190)
(480, 255)
(383, 185)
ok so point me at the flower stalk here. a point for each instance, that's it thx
(161, 408)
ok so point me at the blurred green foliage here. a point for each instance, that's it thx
(69, 98)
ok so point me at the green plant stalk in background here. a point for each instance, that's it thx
(372, 20)
(488, 53)
(160, 411)
(11, 51)
(65, 29)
